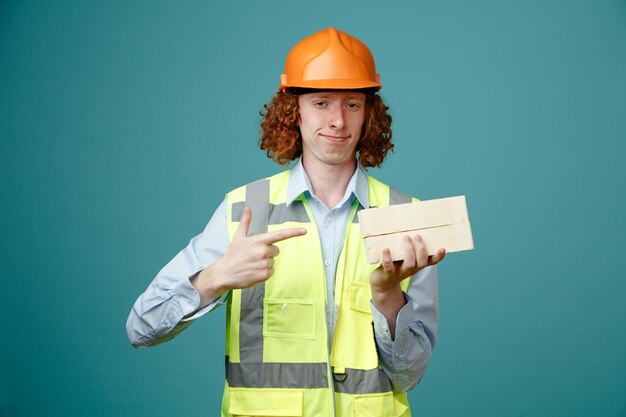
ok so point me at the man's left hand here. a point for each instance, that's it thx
(385, 280)
(389, 274)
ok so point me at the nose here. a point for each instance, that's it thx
(336, 118)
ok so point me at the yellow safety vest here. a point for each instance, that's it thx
(277, 358)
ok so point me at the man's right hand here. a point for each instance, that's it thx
(248, 261)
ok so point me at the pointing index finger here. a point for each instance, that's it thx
(270, 238)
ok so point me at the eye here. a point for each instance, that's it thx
(320, 103)
(354, 106)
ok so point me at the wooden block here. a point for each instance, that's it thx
(442, 223)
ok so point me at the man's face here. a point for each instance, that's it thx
(330, 124)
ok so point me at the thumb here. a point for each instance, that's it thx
(244, 224)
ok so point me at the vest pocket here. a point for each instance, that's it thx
(360, 295)
(354, 346)
(289, 318)
(377, 405)
(265, 402)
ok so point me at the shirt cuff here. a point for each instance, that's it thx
(209, 307)
(189, 300)
(405, 317)
(186, 296)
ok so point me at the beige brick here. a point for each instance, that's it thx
(442, 223)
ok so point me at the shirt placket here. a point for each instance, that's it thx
(329, 268)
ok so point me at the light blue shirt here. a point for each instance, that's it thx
(166, 307)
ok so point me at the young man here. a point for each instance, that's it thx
(312, 328)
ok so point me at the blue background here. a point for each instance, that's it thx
(123, 124)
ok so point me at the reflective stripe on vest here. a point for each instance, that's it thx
(251, 317)
(305, 375)
(277, 375)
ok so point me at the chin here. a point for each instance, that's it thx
(340, 160)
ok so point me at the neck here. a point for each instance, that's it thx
(329, 182)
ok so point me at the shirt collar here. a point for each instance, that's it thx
(299, 183)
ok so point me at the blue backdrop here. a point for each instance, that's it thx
(123, 123)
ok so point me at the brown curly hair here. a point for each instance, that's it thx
(282, 141)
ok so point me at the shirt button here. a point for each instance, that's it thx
(327, 262)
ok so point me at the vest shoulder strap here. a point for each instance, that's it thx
(381, 194)
(257, 195)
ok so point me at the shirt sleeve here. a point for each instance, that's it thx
(406, 358)
(171, 303)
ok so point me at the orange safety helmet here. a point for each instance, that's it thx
(330, 59)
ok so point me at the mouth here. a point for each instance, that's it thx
(335, 138)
